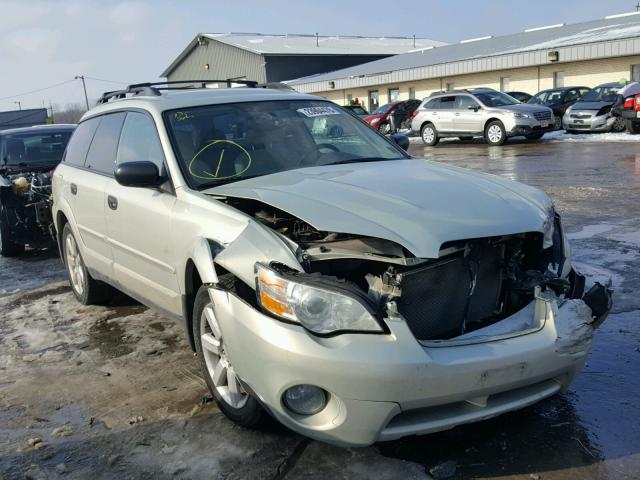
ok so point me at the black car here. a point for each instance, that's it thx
(558, 100)
(358, 110)
(520, 96)
(27, 159)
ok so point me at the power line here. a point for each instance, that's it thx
(38, 90)
(107, 81)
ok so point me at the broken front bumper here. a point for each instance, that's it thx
(383, 387)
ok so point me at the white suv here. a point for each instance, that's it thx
(322, 274)
(480, 112)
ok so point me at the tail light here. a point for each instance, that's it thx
(637, 103)
(629, 103)
(414, 114)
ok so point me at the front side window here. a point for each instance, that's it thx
(496, 99)
(382, 109)
(217, 144)
(464, 102)
(35, 148)
(601, 94)
(139, 141)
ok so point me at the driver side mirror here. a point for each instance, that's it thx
(475, 108)
(138, 174)
(401, 140)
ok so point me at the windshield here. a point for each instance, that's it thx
(223, 143)
(496, 99)
(601, 94)
(383, 109)
(550, 96)
(35, 147)
(358, 110)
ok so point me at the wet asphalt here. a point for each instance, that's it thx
(590, 432)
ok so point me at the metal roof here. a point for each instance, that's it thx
(475, 50)
(298, 44)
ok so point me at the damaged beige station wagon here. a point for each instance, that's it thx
(324, 276)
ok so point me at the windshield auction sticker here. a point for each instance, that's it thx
(318, 111)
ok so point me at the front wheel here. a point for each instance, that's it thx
(558, 122)
(429, 135)
(633, 127)
(495, 133)
(223, 382)
(384, 129)
(618, 125)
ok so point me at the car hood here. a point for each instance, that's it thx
(415, 203)
(371, 116)
(523, 108)
(590, 105)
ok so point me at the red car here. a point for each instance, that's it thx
(380, 118)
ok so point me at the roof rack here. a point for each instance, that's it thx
(155, 88)
(463, 90)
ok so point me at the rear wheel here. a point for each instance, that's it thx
(8, 248)
(534, 136)
(495, 133)
(223, 382)
(429, 135)
(633, 127)
(87, 290)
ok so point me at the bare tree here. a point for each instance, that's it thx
(70, 113)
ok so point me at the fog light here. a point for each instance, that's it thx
(305, 399)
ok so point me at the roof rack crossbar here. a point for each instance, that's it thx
(153, 88)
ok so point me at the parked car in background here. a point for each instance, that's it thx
(479, 112)
(323, 276)
(400, 111)
(357, 110)
(628, 107)
(592, 113)
(522, 97)
(558, 100)
(27, 159)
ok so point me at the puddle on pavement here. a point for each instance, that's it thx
(108, 337)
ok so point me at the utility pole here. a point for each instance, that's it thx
(19, 103)
(638, 7)
(51, 108)
(84, 86)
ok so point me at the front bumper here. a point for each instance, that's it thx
(601, 123)
(383, 387)
(530, 129)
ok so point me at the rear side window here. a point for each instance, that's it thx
(139, 141)
(102, 153)
(78, 146)
(433, 104)
(447, 102)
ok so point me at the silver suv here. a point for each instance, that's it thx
(322, 275)
(480, 112)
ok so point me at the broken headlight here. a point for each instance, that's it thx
(319, 309)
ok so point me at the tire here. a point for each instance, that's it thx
(633, 127)
(429, 135)
(495, 133)
(237, 405)
(8, 248)
(619, 125)
(535, 136)
(86, 289)
(558, 122)
(384, 128)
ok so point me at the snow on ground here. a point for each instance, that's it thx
(559, 136)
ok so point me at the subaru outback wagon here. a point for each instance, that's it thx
(323, 276)
(484, 112)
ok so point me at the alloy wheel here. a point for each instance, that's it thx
(217, 361)
(494, 133)
(428, 134)
(75, 266)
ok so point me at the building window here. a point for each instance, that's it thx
(394, 94)
(505, 84)
(412, 93)
(373, 100)
(349, 99)
(635, 73)
(451, 86)
(558, 79)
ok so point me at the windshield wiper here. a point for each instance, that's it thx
(217, 183)
(362, 160)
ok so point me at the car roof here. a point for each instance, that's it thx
(63, 127)
(610, 84)
(187, 98)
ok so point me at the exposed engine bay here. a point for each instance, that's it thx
(25, 200)
(474, 283)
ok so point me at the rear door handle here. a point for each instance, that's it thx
(457, 114)
(74, 188)
(112, 202)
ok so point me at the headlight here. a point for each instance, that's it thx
(375, 120)
(318, 309)
(520, 115)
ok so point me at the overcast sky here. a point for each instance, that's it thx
(43, 43)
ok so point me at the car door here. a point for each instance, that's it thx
(139, 221)
(92, 149)
(468, 117)
(445, 113)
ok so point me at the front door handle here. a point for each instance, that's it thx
(74, 188)
(112, 202)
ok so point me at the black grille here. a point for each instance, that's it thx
(542, 115)
(435, 299)
(580, 115)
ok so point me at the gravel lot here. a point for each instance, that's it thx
(114, 392)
